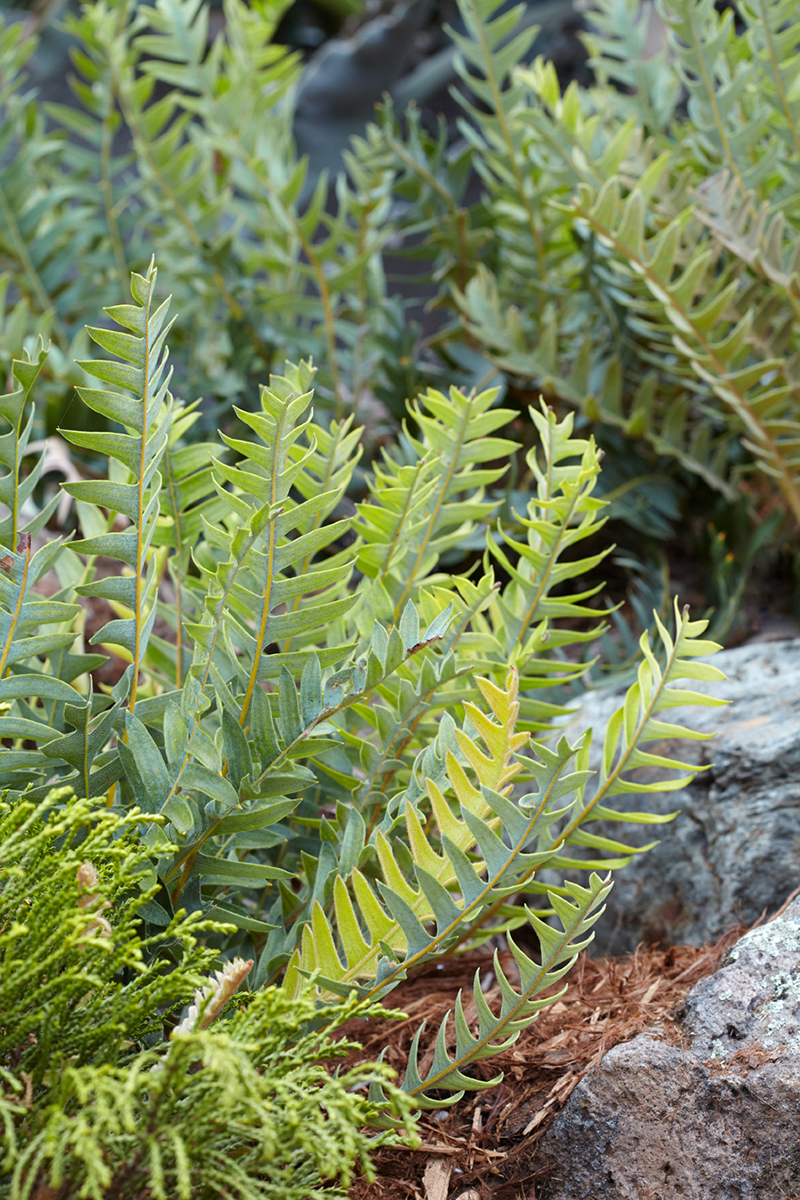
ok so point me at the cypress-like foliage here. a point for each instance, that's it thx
(102, 1092)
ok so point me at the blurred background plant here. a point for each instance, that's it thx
(599, 207)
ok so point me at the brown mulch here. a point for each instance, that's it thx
(486, 1145)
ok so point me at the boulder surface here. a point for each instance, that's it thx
(713, 1117)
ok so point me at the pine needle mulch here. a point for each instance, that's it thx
(486, 1145)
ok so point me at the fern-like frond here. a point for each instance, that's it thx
(22, 614)
(497, 41)
(592, 381)
(562, 513)
(142, 404)
(15, 488)
(396, 921)
(754, 233)
(265, 564)
(188, 499)
(729, 118)
(723, 346)
(428, 499)
(328, 460)
(577, 912)
(396, 720)
(632, 726)
(773, 31)
(465, 865)
(619, 51)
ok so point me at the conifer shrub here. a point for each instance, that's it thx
(102, 1091)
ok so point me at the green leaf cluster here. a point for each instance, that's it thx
(350, 754)
(153, 154)
(629, 254)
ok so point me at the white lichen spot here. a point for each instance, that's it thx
(773, 940)
(780, 1015)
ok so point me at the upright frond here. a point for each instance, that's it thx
(142, 404)
(429, 496)
(266, 561)
(16, 488)
(729, 117)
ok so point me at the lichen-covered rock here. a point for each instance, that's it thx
(734, 850)
(714, 1119)
(754, 998)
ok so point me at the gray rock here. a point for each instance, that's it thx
(754, 999)
(343, 82)
(714, 1119)
(734, 850)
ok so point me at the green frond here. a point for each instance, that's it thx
(326, 472)
(728, 114)
(142, 404)
(496, 42)
(188, 501)
(562, 513)
(396, 922)
(649, 410)
(403, 701)
(772, 34)
(619, 51)
(270, 557)
(15, 489)
(23, 612)
(576, 912)
(722, 345)
(635, 724)
(521, 625)
(427, 500)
